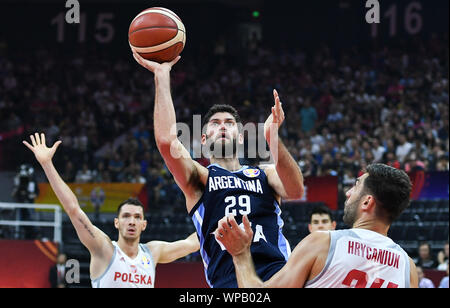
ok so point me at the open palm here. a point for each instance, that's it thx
(41, 151)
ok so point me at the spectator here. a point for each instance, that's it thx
(84, 175)
(321, 219)
(377, 150)
(308, 116)
(69, 173)
(57, 275)
(392, 161)
(115, 166)
(444, 280)
(100, 174)
(442, 258)
(403, 148)
(425, 258)
(423, 281)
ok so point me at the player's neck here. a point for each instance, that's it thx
(374, 225)
(129, 246)
(231, 164)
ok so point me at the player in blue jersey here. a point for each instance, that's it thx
(226, 187)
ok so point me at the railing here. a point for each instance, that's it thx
(56, 223)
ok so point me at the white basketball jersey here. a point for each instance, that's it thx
(363, 259)
(124, 272)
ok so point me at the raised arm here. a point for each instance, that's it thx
(285, 176)
(166, 252)
(92, 238)
(187, 172)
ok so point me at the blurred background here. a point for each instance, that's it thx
(354, 93)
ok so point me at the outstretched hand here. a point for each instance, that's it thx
(42, 153)
(154, 66)
(275, 119)
(236, 240)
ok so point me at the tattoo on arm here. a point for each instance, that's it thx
(86, 227)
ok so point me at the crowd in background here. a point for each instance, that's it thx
(344, 109)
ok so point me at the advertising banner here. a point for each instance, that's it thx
(431, 185)
(322, 189)
(104, 196)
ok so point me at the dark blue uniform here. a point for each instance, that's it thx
(241, 192)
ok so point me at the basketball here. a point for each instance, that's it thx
(157, 34)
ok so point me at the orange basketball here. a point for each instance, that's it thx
(157, 34)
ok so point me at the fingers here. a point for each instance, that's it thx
(228, 228)
(137, 57)
(28, 145)
(151, 64)
(274, 114)
(247, 226)
(33, 141)
(38, 139)
(223, 226)
(232, 223)
(56, 145)
(174, 61)
(277, 110)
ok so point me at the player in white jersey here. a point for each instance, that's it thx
(125, 263)
(362, 257)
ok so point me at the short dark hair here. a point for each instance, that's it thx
(132, 201)
(321, 209)
(391, 189)
(425, 243)
(220, 108)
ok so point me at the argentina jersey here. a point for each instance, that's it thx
(242, 192)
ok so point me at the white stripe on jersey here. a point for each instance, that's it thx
(363, 258)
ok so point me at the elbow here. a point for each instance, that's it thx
(296, 193)
(72, 210)
(163, 144)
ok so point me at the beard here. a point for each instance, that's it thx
(350, 213)
(223, 149)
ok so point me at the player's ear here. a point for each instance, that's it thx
(116, 223)
(203, 139)
(241, 138)
(368, 203)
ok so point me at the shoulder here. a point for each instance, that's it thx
(154, 248)
(317, 241)
(267, 167)
(320, 236)
(269, 170)
(312, 250)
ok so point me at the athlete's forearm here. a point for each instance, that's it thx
(63, 192)
(245, 271)
(288, 170)
(164, 112)
(194, 244)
